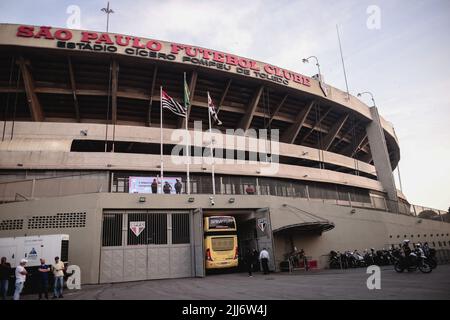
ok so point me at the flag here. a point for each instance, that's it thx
(187, 94)
(169, 103)
(212, 111)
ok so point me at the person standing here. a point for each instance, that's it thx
(5, 272)
(426, 249)
(255, 256)
(178, 186)
(250, 189)
(43, 279)
(167, 188)
(21, 275)
(248, 259)
(154, 186)
(264, 257)
(303, 258)
(58, 273)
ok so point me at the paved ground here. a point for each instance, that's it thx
(326, 284)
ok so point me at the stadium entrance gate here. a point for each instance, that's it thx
(146, 244)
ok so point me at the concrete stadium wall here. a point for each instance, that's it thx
(362, 229)
(57, 137)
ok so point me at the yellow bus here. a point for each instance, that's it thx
(221, 243)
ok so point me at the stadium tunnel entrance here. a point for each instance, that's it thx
(254, 232)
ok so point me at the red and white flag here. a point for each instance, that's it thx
(212, 111)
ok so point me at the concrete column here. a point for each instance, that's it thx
(380, 157)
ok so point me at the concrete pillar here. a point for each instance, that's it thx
(380, 157)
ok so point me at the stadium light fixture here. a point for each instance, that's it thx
(359, 95)
(306, 60)
(108, 11)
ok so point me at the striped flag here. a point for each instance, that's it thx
(212, 111)
(187, 102)
(169, 103)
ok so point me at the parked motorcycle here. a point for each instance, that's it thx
(368, 258)
(335, 260)
(358, 260)
(412, 263)
(431, 258)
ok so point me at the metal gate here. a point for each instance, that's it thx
(144, 244)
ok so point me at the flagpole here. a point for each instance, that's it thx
(211, 150)
(161, 136)
(188, 181)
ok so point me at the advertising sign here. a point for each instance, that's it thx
(152, 185)
(101, 42)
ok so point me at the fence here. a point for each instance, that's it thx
(42, 185)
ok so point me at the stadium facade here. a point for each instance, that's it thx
(80, 145)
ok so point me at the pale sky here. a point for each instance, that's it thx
(405, 63)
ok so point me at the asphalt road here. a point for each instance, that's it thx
(325, 284)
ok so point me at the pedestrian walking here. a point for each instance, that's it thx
(58, 273)
(43, 270)
(249, 261)
(21, 276)
(264, 257)
(5, 273)
(255, 254)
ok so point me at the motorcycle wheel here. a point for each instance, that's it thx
(425, 267)
(432, 263)
(334, 265)
(398, 268)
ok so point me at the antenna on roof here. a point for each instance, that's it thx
(342, 59)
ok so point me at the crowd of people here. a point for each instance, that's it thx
(22, 275)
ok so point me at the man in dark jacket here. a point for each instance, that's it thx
(178, 186)
(255, 255)
(5, 274)
(167, 188)
(154, 186)
(249, 260)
